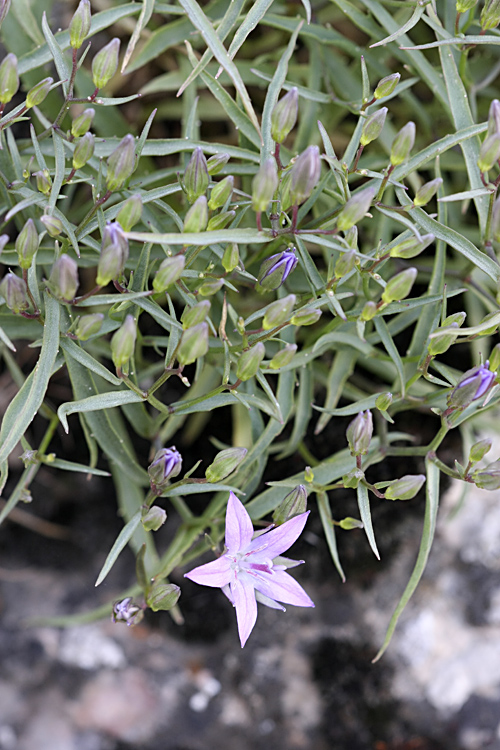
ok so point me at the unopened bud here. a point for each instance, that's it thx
(43, 181)
(473, 384)
(489, 477)
(249, 361)
(154, 519)
(84, 151)
(264, 185)
(275, 270)
(399, 286)
(126, 611)
(304, 175)
(405, 488)
(220, 221)
(121, 163)
(123, 343)
(278, 312)
(411, 247)
(88, 326)
(352, 479)
(403, 144)
(196, 314)
(195, 178)
(105, 63)
(82, 123)
(490, 15)
(27, 244)
(494, 118)
(79, 26)
(369, 311)
(355, 208)
(386, 86)
(495, 358)
(166, 465)
(9, 79)
(208, 287)
(479, 450)
(15, 293)
(52, 224)
(294, 504)
(37, 94)
(194, 344)
(495, 221)
(196, 219)
(221, 192)
(441, 344)
(283, 357)
(63, 279)
(114, 254)
(345, 263)
(231, 257)
(284, 115)
(359, 433)
(372, 127)
(464, 5)
(224, 464)
(489, 153)
(307, 316)
(348, 524)
(130, 213)
(169, 272)
(216, 163)
(163, 596)
(383, 401)
(427, 191)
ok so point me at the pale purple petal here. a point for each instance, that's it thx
(239, 529)
(246, 606)
(281, 586)
(278, 540)
(216, 573)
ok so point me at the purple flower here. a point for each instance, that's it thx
(167, 464)
(246, 572)
(473, 384)
(276, 269)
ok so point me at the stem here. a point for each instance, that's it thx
(388, 173)
(358, 155)
(93, 291)
(92, 211)
(36, 312)
(487, 231)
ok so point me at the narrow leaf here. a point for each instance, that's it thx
(122, 539)
(366, 516)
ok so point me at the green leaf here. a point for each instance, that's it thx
(98, 402)
(410, 23)
(325, 514)
(340, 371)
(386, 338)
(366, 516)
(22, 11)
(58, 173)
(122, 539)
(84, 358)
(245, 236)
(473, 39)
(60, 463)
(57, 55)
(145, 15)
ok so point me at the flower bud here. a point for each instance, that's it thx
(123, 343)
(494, 118)
(490, 15)
(216, 163)
(399, 286)
(383, 401)
(278, 312)
(372, 126)
(264, 185)
(105, 63)
(284, 115)
(154, 518)
(121, 163)
(9, 79)
(441, 344)
(166, 465)
(495, 358)
(210, 286)
(355, 208)
(63, 279)
(275, 270)
(194, 344)
(472, 385)
(79, 26)
(304, 175)
(231, 257)
(348, 524)
(43, 181)
(224, 464)
(4, 238)
(15, 293)
(403, 144)
(489, 477)
(4, 9)
(359, 433)
(479, 450)
(369, 311)
(163, 596)
(82, 123)
(495, 221)
(489, 153)
(88, 326)
(37, 94)
(114, 254)
(345, 263)
(130, 213)
(220, 221)
(411, 247)
(169, 272)
(465, 5)
(427, 191)
(221, 192)
(352, 479)
(52, 224)
(27, 244)
(286, 181)
(196, 219)
(195, 178)
(283, 357)
(292, 505)
(249, 361)
(405, 488)
(386, 85)
(196, 314)
(84, 151)
(307, 316)
(126, 611)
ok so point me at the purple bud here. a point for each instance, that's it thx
(472, 385)
(121, 163)
(359, 433)
(114, 254)
(105, 63)
(63, 279)
(14, 291)
(126, 611)
(275, 270)
(166, 465)
(304, 175)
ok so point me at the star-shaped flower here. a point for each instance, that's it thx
(246, 572)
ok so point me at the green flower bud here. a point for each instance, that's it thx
(249, 361)
(383, 401)
(494, 118)
(489, 477)
(15, 293)
(479, 450)
(411, 247)
(441, 344)
(369, 311)
(345, 263)
(121, 163)
(114, 254)
(284, 115)
(123, 343)
(283, 357)
(304, 175)
(43, 181)
(490, 15)
(220, 221)
(231, 257)
(88, 326)
(386, 85)
(264, 185)
(465, 5)
(352, 479)
(405, 488)
(196, 219)
(79, 26)
(194, 344)
(210, 286)
(166, 465)
(37, 94)
(359, 433)
(195, 178)
(82, 123)
(169, 272)
(275, 270)
(84, 151)
(348, 524)
(294, 504)
(307, 316)
(489, 152)
(163, 596)
(372, 127)
(4, 238)
(63, 279)
(216, 163)
(427, 191)
(495, 221)
(52, 224)
(224, 464)
(105, 63)
(130, 213)
(399, 286)
(403, 144)
(221, 192)
(473, 384)
(154, 518)
(9, 79)
(355, 208)
(27, 244)
(278, 312)
(495, 358)
(196, 314)
(4, 9)
(351, 237)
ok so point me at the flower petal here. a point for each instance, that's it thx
(278, 540)
(216, 573)
(281, 586)
(239, 529)
(246, 607)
